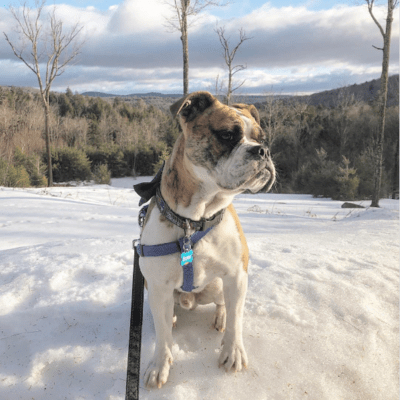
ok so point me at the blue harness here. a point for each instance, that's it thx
(183, 245)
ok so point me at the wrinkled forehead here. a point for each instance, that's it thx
(221, 117)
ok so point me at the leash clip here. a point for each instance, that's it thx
(187, 244)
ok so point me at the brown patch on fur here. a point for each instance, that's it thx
(225, 118)
(251, 112)
(217, 117)
(177, 184)
(245, 249)
(248, 111)
(220, 117)
(203, 146)
(257, 134)
(192, 105)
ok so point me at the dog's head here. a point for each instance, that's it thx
(225, 143)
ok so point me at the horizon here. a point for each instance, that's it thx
(266, 94)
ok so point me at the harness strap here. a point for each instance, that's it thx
(166, 249)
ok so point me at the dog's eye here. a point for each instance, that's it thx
(228, 136)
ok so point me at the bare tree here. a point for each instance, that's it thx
(45, 52)
(300, 126)
(273, 114)
(218, 86)
(382, 99)
(229, 56)
(184, 9)
(344, 105)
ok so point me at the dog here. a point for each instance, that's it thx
(220, 153)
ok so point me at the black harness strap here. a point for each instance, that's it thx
(135, 333)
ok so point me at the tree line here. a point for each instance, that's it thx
(324, 151)
(330, 151)
(89, 136)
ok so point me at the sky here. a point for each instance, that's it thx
(296, 47)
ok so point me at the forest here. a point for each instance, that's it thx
(317, 149)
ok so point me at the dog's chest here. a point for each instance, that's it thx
(218, 253)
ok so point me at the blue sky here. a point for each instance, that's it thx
(235, 9)
(296, 47)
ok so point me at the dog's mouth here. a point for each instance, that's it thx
(246, 170)
(263, 180)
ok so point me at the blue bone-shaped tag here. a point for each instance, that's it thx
(186, 257)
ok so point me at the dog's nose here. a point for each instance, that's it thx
(260, 151)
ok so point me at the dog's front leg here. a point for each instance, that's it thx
(161, 302)
(233, 354)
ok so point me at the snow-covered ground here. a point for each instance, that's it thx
(321, 317)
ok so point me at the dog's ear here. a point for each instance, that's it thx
(253, 111)
(192, 105)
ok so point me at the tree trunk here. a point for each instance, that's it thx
(48, 150)
(185, 48)
(228, 96)
(382, 108)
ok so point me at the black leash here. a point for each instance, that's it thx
(146, 191)
(135, 333)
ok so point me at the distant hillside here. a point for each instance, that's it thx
(151, 94)
(98, 94)
(366, 92)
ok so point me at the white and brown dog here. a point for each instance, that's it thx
(220, 154)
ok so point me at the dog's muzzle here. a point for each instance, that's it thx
(267, 170)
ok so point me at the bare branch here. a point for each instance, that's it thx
(370, 4)
(198, 6)
(18, 54)
(48, 48)
(239, 86)
(238, 68)
(184, 9)
(56, 43)
(229, 57)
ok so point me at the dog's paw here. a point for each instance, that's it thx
(233, 356)
(174, 319)
(157, 371)
(220, 318)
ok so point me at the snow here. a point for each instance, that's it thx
(321, 316)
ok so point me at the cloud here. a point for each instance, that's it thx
(127, 48)
(137, 16)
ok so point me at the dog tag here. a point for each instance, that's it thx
(186, 257)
